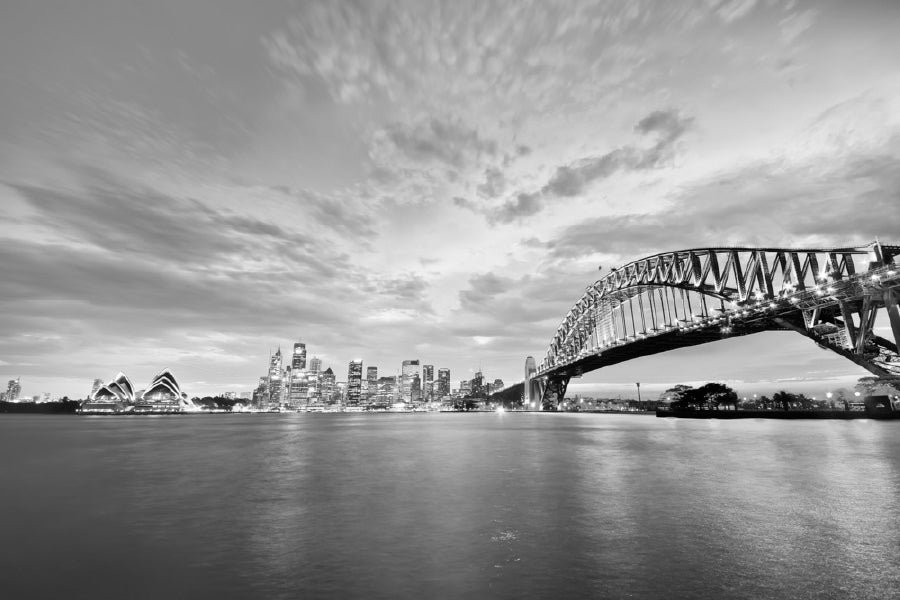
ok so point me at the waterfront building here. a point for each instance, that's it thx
(13, 389)
(354, 382)
(371, 383)
(329, 387)
(415, 392)
(313, 387)
(477, 387)
(275, 383)
(428, 382)
(261, 394)
(465, 388)
(298, 387)
(443, 383)
(386, 390)
(408, 369)
(315, 364)
(162, 395)
(246, 396)
(298, 358)
(95, 386)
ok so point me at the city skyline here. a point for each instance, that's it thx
(418, 179)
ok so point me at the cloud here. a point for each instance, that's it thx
(524, 205)
(494, 183)
(842, 200)
(444, 141)
(574, 178)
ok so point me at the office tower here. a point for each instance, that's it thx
(477, 388)
(386, 390)
(315, 364)
(465, 388)
(298, 359)
(443, 384)
(428, 382)
(13, 389)
(261, 394)
(328, 386)
(275, 383)
(498, 385)
(415, 392)
(371, 383)
(354, 382)
(299, 388)
(409, 368)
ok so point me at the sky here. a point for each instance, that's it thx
(192, 183)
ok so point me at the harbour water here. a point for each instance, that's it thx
(447, 506)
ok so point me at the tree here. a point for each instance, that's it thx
(675, 393)
(785, 399)
(878, 386)
(717, 394)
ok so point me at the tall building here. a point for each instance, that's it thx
(275, 382)
(328, 386)
(428, 382)
(298, 359)
(354, 382)
(409, 368)
(315, 364)
(386, 390)
(371, 383)
(443, 383)
(477, 388)
(415, 392)
(13, 389)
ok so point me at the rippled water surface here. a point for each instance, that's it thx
(447, 506)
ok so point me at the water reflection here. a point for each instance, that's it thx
(452, 506)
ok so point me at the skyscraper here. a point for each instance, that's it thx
(275, 382)
(371, 383)
(443, 383)
(315, 364)
(477, 388)
(354, 382)
(298, 359)
(13, 389)
(409, 368)
(415, 392)
(328, 386)
(428, 382)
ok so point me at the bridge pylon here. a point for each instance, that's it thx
(554, 391)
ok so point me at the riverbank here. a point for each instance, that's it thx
(778, 414)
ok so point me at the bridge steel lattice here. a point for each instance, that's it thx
(689, 297)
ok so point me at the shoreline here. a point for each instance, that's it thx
(843, 415)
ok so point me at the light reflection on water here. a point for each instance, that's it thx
(449, 506)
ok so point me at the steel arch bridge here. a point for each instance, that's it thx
(689, 297)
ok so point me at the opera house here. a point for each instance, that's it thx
(162, 396)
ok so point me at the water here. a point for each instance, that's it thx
(447, 506)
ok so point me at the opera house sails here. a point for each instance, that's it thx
(162, 396)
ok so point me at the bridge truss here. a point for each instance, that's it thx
(688, 297)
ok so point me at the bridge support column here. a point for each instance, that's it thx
(554, 391)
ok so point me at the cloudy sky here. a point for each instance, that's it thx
(192, 183)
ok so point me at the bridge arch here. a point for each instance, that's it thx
(686, 297)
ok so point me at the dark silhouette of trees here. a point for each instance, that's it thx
(718, 394)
